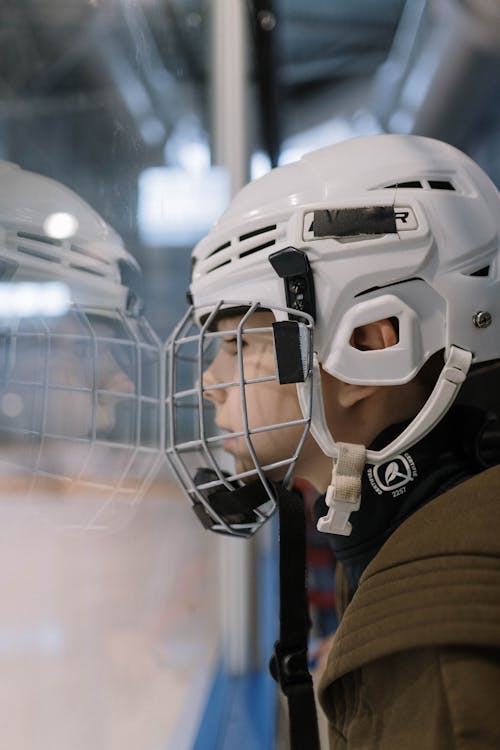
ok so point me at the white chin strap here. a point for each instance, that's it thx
(343, 495)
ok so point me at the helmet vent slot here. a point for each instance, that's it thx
(218, 249)
(255, 232)
(409, 184)
(219, 266)
(39, 238)
(92, 271)
(36, 253)
(429, 184)
(258, 247)
(242, 246)
(485, 271)
(441, 185)
(89, 254)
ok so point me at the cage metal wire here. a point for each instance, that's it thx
(80, 414)
(194, 441)
(91, 402)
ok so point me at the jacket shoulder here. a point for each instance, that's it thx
(438, 698)
(463, 520)
(435, 582)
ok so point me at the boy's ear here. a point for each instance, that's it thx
(380, 334)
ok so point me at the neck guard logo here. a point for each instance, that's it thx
(393, 476)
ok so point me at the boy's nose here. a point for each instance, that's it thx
(216, 395)
(116, 386)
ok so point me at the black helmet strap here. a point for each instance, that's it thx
(288, 664)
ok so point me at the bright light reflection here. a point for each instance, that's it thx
(333, 131)
(27, 299)
(12, 405)
(194, 156)
(260, 164)
(60, 225)
(177, 207)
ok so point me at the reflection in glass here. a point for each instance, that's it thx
(79, 411)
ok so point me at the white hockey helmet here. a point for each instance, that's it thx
(377, 227)
(79, 388)
(48, 233)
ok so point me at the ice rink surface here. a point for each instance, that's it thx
(107, 642)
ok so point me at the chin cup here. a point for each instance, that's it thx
(236, 507)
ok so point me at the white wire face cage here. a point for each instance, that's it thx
(214, 437)
(80, 415)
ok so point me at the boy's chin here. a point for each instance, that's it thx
(276, 475)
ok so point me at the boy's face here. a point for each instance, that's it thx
(80, 384)
(75, 410)
(268, 403)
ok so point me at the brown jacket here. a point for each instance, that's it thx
(415, 663)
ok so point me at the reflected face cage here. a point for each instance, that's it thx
(223, 441)
(80, 414)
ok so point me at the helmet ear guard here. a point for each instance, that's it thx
(420, 313)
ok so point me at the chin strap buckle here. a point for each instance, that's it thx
(289, 667)
(343, 495)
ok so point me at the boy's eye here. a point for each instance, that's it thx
(231, 345)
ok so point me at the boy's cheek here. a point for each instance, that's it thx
(260, 364)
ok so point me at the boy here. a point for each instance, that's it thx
(365, 279)
(79, 364)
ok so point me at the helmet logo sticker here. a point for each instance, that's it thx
(393, 476)
(355, 222)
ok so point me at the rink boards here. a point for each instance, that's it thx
(106, 641)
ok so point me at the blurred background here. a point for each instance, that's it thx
(155, 112)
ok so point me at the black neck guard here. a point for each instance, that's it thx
(454, 451)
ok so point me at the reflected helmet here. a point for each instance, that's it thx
(48, 233)
(79, 383)
(385, 226)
